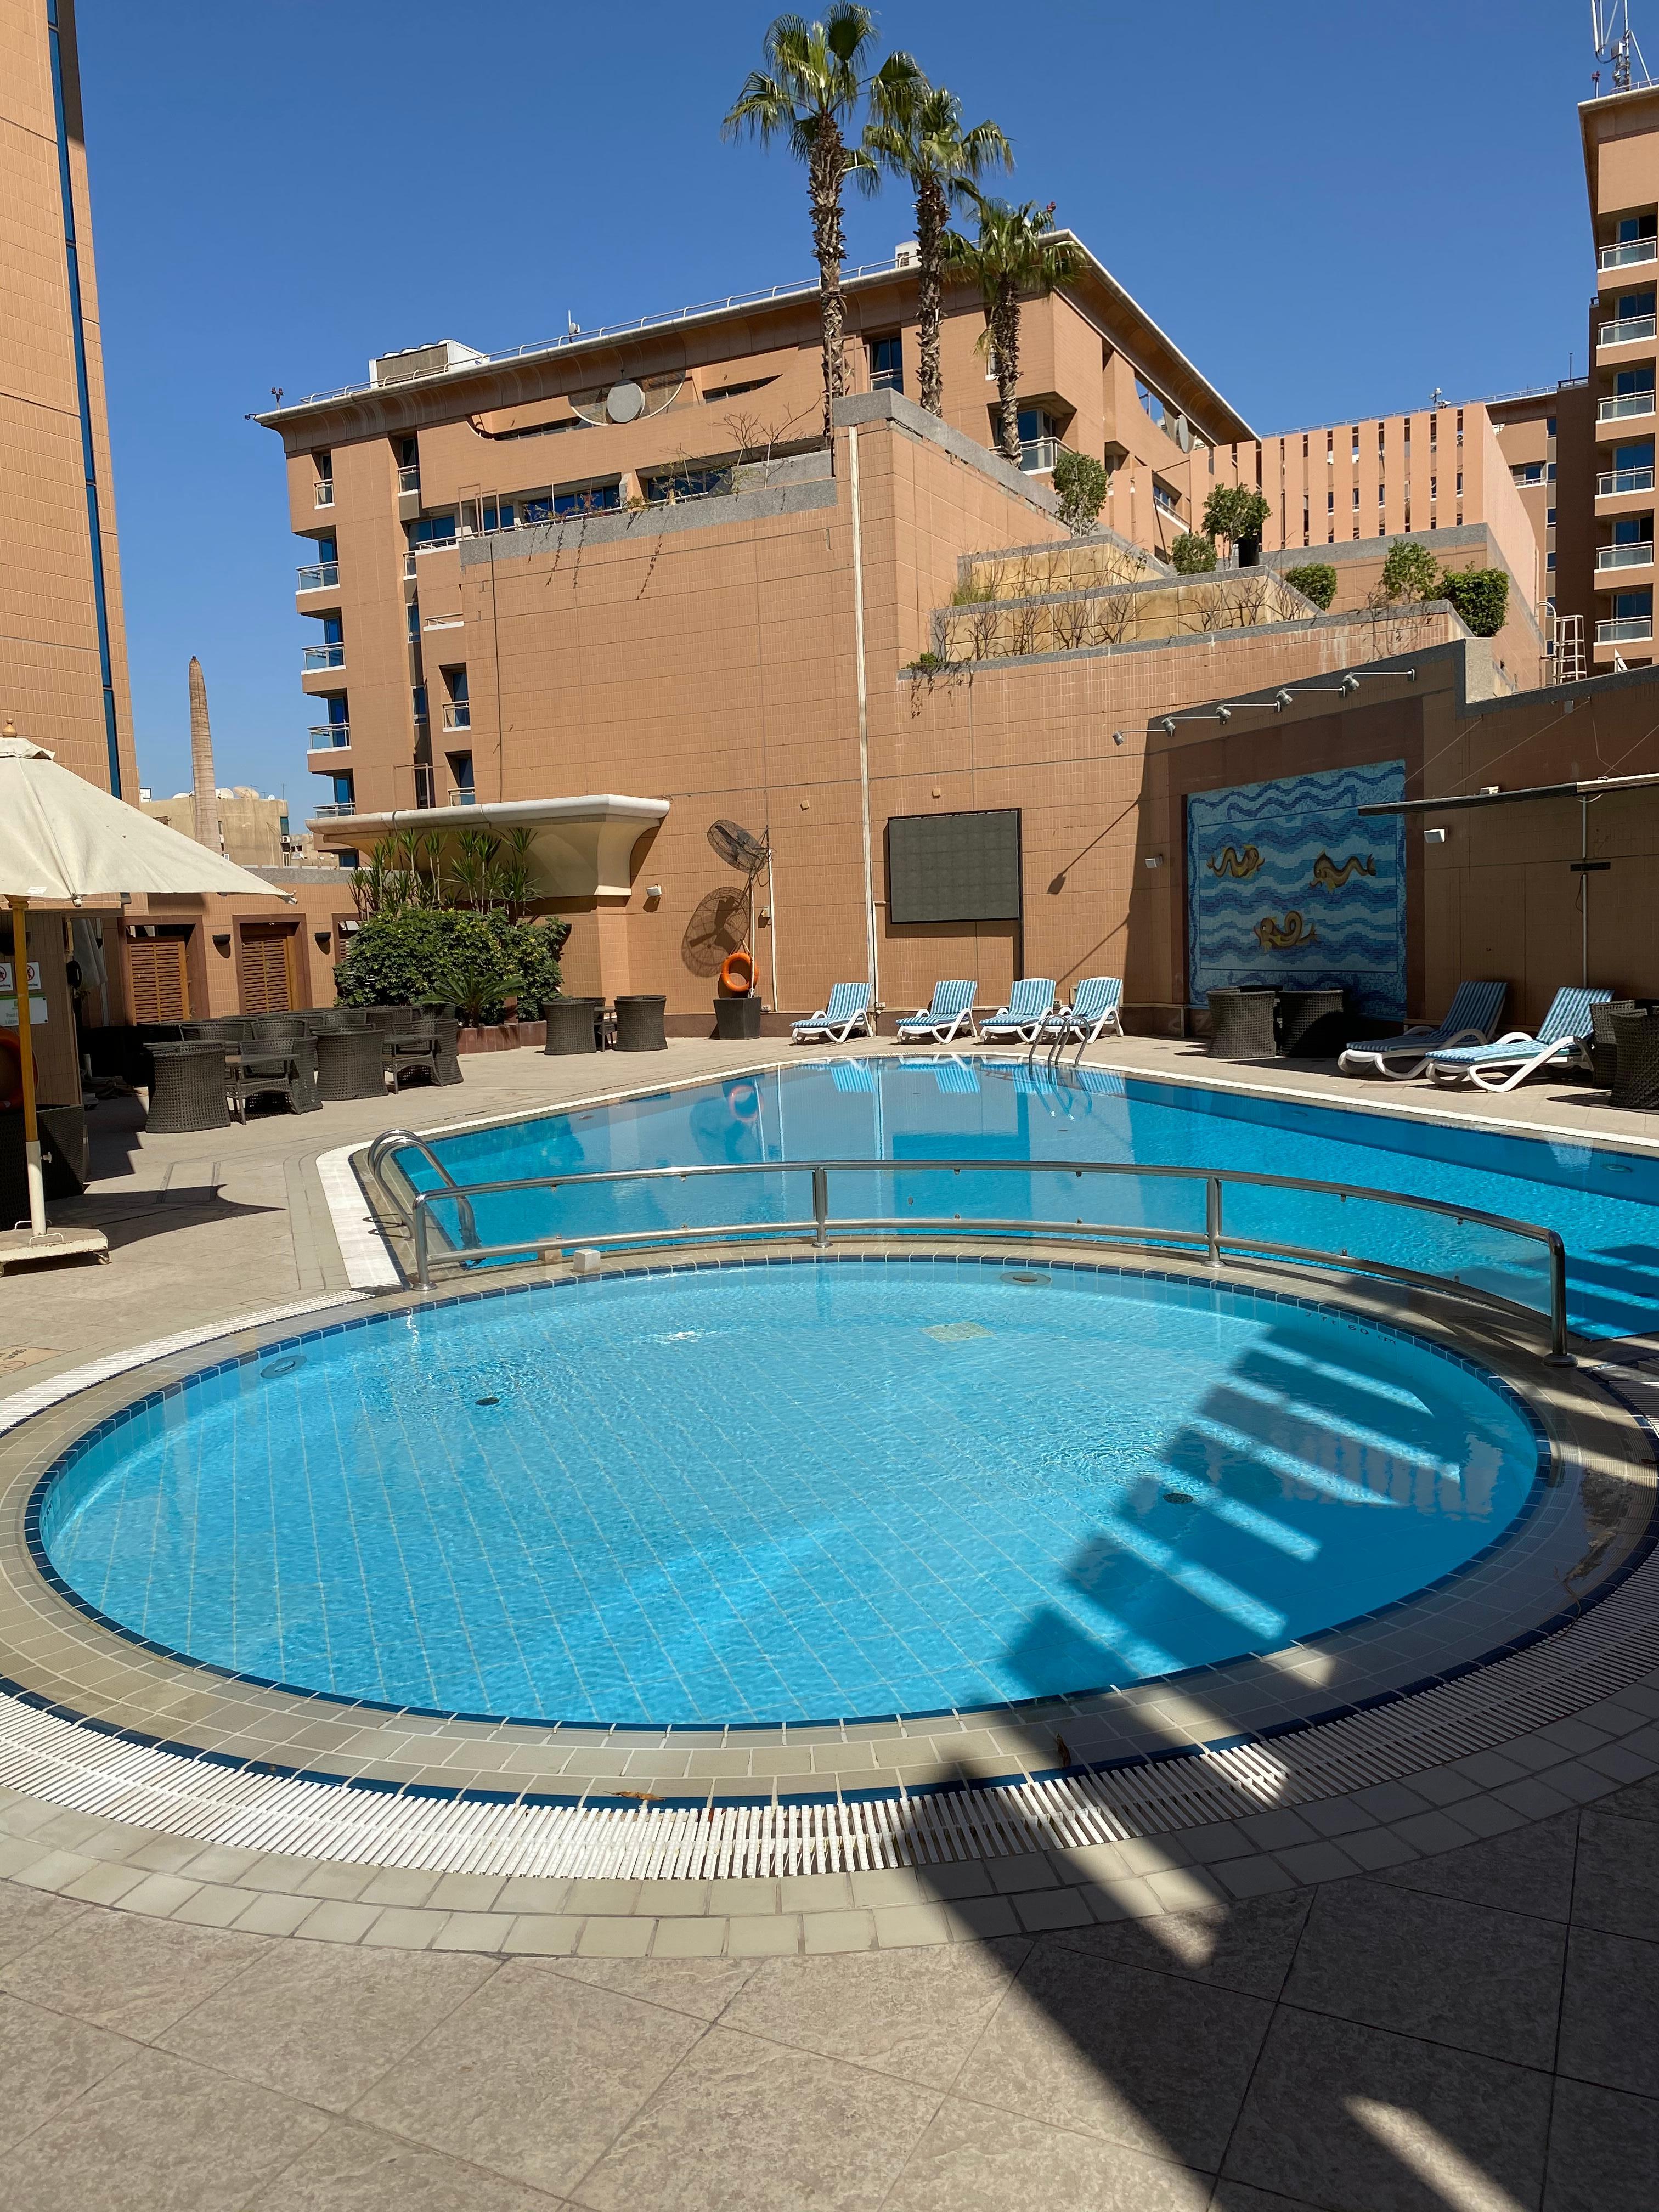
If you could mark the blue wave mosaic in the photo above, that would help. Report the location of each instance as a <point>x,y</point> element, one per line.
<point>1287,882</point>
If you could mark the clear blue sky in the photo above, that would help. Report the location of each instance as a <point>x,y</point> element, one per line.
<point>1331,210</point>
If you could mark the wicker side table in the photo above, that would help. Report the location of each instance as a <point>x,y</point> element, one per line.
<point>1241,1024</point>
<point>190,1091</point>
<point>1636,1078</point>
<point>351,1064</point>
<point>1604,1045</point>
<point>1311,1024</point>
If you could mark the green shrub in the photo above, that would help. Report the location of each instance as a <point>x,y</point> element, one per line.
<point>1314,580</point>
<point>1481,596</point>
<point>1235,513</point>
<point>439,957</point>
<point>1191,555</point>
<point>1409,572</point>
<point>1080,488</point>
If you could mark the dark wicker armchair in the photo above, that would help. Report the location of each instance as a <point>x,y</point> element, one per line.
<point>1636,1078</point>
<point>191,1087</point>
<point>351,1064</point>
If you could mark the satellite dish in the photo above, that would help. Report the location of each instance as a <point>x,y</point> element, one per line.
<point>625,403</point>
<point>739,847</point>
<point>1183,433</point>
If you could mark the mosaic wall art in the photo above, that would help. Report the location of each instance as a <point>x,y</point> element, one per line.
<point>1287,882</point>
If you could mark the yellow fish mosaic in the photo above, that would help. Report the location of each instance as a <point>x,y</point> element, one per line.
<point>1279,937</point>
<point>1228,862</point>
<point>1332,878</point>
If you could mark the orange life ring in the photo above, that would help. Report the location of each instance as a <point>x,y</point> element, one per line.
<point>11,1068</point>
<point>737,975</point>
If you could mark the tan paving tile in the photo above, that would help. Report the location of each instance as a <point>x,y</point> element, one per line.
<point>125,1973</point>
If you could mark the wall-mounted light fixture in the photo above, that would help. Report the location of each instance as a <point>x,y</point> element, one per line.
<point>1117,736</point>
<point>653,890</point>
<point>1434,836</point>
<point>1281,701</point>
<point>1154,860</point>
<point>325,937</point>
<point>221,940</point>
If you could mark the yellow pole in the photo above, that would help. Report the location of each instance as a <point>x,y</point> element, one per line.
<point>20,964</point>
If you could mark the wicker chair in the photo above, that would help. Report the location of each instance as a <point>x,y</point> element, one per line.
<point>278,1025</point>
<point>447,1063</point>
<point>1312,1024</point>
<point>224,1029</point>
<point>319,1021</point>
<point>351,1064</point>
<point>413,1050</point>
<point>191,1088</point>
<point>1604,1045</point>
<point>1636,1079</point>
<point>387,1018</point>
<point>288,1071</point>
<point>1241,1023</point>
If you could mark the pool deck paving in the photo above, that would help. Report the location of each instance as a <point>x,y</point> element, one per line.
<point>1433,2000</point>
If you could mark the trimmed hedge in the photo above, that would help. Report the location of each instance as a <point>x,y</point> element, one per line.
<point>1314,580</point>
<point>444,957</point>
<point>1481,596</point>
<point>1192,554</point>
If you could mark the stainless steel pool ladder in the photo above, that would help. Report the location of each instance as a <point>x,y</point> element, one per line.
<point>1213,1241</point>
<point>402,1140</point>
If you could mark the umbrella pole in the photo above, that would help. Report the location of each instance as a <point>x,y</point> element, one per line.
<point>20,964</point>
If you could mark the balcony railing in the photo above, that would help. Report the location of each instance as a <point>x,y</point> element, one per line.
<point>322,576</point>
<point>324,491</point>
<point>1621,403</point>
<point>463,798</point>
<point>887,379</point>
<point>1638,554</point>
<point>1611,482</point>
<point>324,656</point>
<point>335,810</point>
<point>457,714</point>
<point>1625,630</point>
<point>326,737</point>
<point>1625,329</point>
<point>1627,252</point>
<point>409,571</point>
<point>409,479</point>
<point>1037,456</point>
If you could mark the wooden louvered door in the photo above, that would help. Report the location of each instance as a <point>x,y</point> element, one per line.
<point>159,984</point>
<point>267,972</point>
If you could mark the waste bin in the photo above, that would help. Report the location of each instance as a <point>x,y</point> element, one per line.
<point>639,1023</point>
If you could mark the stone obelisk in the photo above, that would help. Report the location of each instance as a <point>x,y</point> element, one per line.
<point>202,789</point>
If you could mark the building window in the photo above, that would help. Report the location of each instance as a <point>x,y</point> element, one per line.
<point>345,790</point>
<point>687,484</point>
<point>1549,427</point>
<point>1356,494</point>
<point>887,363</point>
<point>500,515</point>
<point>422,785</point>
<point>414,620</point>
<point>1549,561</point>
<point>1164,497</point>
<point>1529,472</point>
<point>1330,503</point>
<point>417,698</point>
<point>460,776</point>
<point>579,499</point>
<point>432,530</point>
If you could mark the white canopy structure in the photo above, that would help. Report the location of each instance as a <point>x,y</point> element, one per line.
<point>63,840</point>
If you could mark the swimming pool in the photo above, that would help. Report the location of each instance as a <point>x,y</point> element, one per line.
<point>811,1490</point>
<point>1603,1202</point>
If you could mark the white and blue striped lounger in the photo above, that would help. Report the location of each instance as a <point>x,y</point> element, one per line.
<point>938,1023</point>
<point>1509,1060</point>
<point>1094,1009</point>
<point>1030,1004</point>
<point>1474,1014</point>
<point>848,1010</point>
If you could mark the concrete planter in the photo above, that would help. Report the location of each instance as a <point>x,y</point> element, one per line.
<point>495,1037</point>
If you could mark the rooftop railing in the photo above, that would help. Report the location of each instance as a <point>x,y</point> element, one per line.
<point>1611,482</point>
<point>1627,252</point>
<point>1621,403</point>
<point>1625,329</point>
<point>1638,554</point>
<point>324,656</point>
<point>1470,1277</point>
<point>1625,630</point>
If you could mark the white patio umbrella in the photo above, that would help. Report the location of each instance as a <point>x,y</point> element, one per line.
<point>63,839</point>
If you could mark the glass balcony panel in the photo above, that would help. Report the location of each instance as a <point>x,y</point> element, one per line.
<point>1627,253</point>
<point>324,491</point>
<point>457,714</point>
<point>1621,403</point>
<point>1625,630</point>
<point>1037,456</point>
<point>335,810</point>
<point>1638,554</point>
<point>1626,329</point>
<point>325,656</point>
<point>1611,482</point>
<point>325,737</point>
<point>321,576</point>
<point>410,479</point>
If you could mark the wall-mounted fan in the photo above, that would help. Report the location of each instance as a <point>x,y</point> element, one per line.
<point>741,849</point>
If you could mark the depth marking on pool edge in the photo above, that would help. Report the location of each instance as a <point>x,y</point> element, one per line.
<point>89,1769</point>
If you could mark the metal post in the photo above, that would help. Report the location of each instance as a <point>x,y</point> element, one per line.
<point>1558,1355</point>
<point>1212,1221</point>
<point>821,1205</point>
<point>19,969</point>
<point>423,1273</point>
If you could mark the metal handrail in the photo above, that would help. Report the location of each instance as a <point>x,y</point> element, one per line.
<point>1624,330</point>
<point>1637,554</point>
<point>1212,1239</point>
<point>1626,252</point>
<point>1621,404</point>
<point>1611,482</point>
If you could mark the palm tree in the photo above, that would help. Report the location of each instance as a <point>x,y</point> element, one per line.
<point>808,92</point>
<point>1014,257</point>
<point>917,134</point>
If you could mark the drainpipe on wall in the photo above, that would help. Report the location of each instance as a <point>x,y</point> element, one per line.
<point>864,714</point>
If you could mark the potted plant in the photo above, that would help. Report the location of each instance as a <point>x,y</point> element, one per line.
<point>1239,514</point>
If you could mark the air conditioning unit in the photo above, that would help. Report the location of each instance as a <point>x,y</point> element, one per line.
<point>907,254</point>
<point>413,362</point>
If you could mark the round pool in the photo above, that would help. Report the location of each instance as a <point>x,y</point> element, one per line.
<point>789,1491</point>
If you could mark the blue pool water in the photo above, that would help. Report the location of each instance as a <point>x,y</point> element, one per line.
<point>789,1491</point>
<point>1604,1203</point>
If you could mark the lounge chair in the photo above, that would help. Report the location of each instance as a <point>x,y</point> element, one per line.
<point>852,1075</point>
<point>1094,1009</point>
<point>1474,1014</point>
<point>938,1023</point>
<point>1508,1061</point>
<point>1030,1004</point>
<point>848,1010</point>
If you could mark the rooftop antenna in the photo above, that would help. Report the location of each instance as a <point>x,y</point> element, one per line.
<point>1616,45</point>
